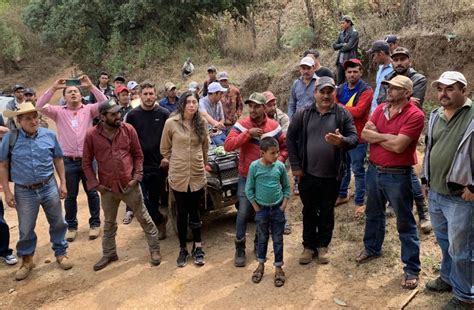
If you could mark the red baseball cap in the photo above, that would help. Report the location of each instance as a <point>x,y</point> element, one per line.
<point>121,88</point>
<point>269,96</point>
<point>352,61</point>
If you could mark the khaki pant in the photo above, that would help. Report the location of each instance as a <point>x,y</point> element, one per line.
<point>134,199</point>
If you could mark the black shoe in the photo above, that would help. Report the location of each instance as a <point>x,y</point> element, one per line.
<point>182,257</point>
<point>456,304</point>
<point>239,258</point>
<point>198,255</point>
<point>104,261</point>
<point>438,285</point>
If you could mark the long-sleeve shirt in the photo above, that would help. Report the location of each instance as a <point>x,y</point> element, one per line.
<point>72,124</point>
<point>232,105</point>
<point>267,185</point>
<point>301,95</point>
<point>383,71</point>
<point>119,160</point>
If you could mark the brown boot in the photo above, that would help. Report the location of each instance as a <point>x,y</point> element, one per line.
<point>162,228</point>
<point>64,262</point>
<point>26,266</point>
<point>155,258</point>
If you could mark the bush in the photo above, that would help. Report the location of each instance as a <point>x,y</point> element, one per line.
<point>298,37</point>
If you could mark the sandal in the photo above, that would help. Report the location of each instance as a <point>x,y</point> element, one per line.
<point>365,257</point>
<point>128,217</point>
<point>257,275</point>
<point>409,277</point>
<point>279,278</point>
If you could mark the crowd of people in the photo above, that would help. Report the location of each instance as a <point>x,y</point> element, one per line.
<point>125,145</point>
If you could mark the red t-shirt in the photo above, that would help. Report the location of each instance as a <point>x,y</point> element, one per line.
<point>409,122</point>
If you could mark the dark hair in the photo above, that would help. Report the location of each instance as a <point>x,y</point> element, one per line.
<point>104,73</point>
<point>198,122</point>
<point>311,51</point>
<point>354,65</point>
<point>146,84</point>
<point>267,143</point>
<point>65,88</point>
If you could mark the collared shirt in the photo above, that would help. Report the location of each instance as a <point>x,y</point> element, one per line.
<point>282,119</point>
<point>72,124</point>
<point>214,110</point>
<point>232,105</point>
<point>12,105</point>
<point>32,156</point>
<point>301,95</point>
<point>171,107</point>
<point>186,154</point>
<point>119,160</point>
<point>381,73</point>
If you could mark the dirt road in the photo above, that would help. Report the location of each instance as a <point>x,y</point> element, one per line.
<point>133,283</point>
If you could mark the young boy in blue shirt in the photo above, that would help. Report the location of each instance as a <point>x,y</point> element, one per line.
<point>268,189</point>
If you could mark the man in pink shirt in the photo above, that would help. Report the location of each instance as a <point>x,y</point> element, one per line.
<point>72,121</point>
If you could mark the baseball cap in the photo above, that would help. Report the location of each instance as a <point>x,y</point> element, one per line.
<point>223,75</point>
<point>325,81</point>
<point>379,46</point>
<point>193,86</point>
<point>346,18</point>
<point>132,85</point>
<point>215,87</point>
<point>169,86</point>
<point>211,68</point>
<point>400,81</point>
<point>29,91</point>
<point>449,78</point>
<point>119,78</point>
<point>257,98</point>
<point>391,38</point>
<point>120,89</point>
<point>352,61</point>
<point>17,87</point>
<point>269,96</point>
<point>110,106</point>
<point>401,50</point>
<point>307,61</point>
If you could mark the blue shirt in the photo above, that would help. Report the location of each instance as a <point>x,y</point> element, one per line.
<point>346,93</point>
<point>267,185</point>
<point>301,95</point>
<point>171,107</point>
<point>214,111</point>
<point>381,73</point>
<point>32,157</point>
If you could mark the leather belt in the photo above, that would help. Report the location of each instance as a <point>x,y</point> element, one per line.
<point>36,185</point>
<point>393,170</point>
<point>73,158</point>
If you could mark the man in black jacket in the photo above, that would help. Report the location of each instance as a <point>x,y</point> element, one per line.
<point>319,161</point>
<point>347,44</point>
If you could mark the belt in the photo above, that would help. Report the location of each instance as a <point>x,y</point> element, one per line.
<point>36,185</point>
<point>73,158</point>
<point>392,170</point>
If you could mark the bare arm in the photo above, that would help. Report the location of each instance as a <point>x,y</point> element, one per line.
<point>9,197</point>
<point>59,166</point>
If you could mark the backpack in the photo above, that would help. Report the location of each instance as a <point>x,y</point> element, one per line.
<point>11,145</point>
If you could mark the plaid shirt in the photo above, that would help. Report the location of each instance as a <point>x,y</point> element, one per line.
<point>232,105</point>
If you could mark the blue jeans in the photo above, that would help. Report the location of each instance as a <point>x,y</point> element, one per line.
<point>28,202</point>
<point>4,234</point>
<point>397,189</point>
<point>219,139</point>
<point>453,223</point>
<point>355,159</point>
<point>74,175</point>
<point>245,210</point>
<point>270,218</point>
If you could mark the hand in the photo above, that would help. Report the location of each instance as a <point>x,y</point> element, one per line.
<point>283,206</point>
<point>370,126</point>
<point>130,185</point>
<point>424,191</point>
<point>102,189</point>
<point>467,195</point>
<point>164,163</point>
<point>255,132</point>
<point>10,199</point>
<point>298,173</point>
<point>62,191</point>
<point>256,207</point>
<point>85,81</point>
<point>334,138</point>
<point>220,125</point>
<point>59,84</point>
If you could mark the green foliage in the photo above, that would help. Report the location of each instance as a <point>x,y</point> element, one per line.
<point>298,37</point>
<point>10,43</point>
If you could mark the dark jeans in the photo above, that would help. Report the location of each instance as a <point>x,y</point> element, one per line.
<point>396,188</point>
<point>4,234</point>
<point>74,175</point>
<point>187,204</point>
<point>421,207</point>
<point>318,196</point>
<point>270,219</point>
<point>341,74</point>
<point>355,160</point>
<point>151,185</point>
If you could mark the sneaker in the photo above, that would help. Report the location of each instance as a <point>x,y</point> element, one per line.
<point>306,257</point>
<point>182,257</point>
<point>128,217</point>
<point>9,259</point>
<point>425,226</point>
<point>296,190</point>
<point>94,233</point>
<point>323,255</point>
<point>389,212</point>
<point>456,304</point>
<point>341,201</point>
<point>71,235</point>
<point>64,262</point>
<point>198,255</point>
<point>438,285</point>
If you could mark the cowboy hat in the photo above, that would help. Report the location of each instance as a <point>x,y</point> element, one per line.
<point>23,108</point>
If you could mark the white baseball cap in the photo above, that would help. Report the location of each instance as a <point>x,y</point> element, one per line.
<point>132,85</point>
<point>307,61</point>
<point>193,86</point>
<point>215,87</point>
<point>449,78</point>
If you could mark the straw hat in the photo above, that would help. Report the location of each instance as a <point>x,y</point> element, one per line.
<point>23,108</point>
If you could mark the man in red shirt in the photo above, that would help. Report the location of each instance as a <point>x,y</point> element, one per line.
<point>116,148</point>
<point>393,132</point>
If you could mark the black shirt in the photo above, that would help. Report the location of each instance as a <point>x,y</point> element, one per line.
<point>149,126</point>
<point>323,71</point>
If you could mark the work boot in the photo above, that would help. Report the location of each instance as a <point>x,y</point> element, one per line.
<point>162,228</point>
<point>323,256</point>
<point>341,201</point>
<point>438,285</point>
<point>456,304</point>
<point>25,269</point>
<point>423,215</point>
<point>104,261</point>
<point>94,232</point>
<point>306,257</point>
<point>71,235</point>
<point>155,258</point>
<point>239,258</point>
<point>64,262</point>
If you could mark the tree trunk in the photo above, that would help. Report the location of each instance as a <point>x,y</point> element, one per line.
<point>312,23</point>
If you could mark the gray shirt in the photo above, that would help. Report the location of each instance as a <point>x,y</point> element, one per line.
<point>214,110</point>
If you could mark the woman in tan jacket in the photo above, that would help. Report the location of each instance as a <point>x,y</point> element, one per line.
<point>184,144</point>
